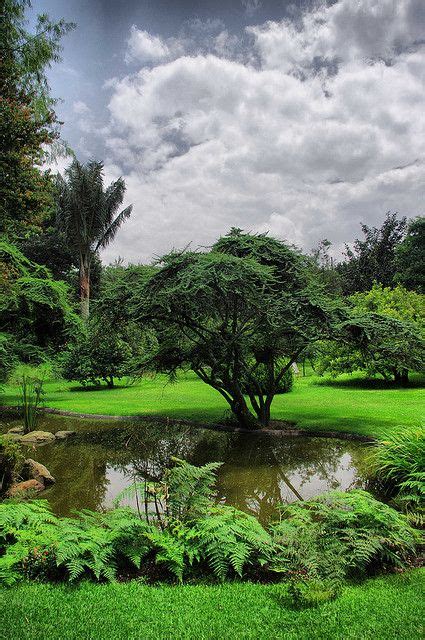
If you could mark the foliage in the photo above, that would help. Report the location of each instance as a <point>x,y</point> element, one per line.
<point>101,351</point>
<point>399,458</point>
<point>410,258</point>
<point>245,307</point>
<point>35,309</point>
<point>28,121</point>
<point>372,258</point>
<point>31,397</point>
<point>87,214</point>
<point>326,538</point>
<point>335,536</point>
<point>385,335</point>
<point>11,459</point>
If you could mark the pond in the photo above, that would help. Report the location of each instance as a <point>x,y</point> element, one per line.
<point>259,471</point>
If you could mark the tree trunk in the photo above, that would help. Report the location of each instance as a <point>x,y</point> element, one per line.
<point>84,288</point>
<point>401,376</point>
<point>243,415</point>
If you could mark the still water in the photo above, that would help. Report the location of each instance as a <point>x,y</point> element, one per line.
<point>259,471</point>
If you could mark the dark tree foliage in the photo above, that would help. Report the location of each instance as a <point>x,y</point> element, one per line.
<point>34,309</point>
<point>373,258</point>
<point>87,215</point>
<point>119,291</point>
<point>243,308</point>
<point>410,257</point>
<point>27,119</point>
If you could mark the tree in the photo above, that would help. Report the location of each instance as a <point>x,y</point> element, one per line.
<point>87,214</point>
<point>229,314</point>
<point>28,124</point>
<point>34,309</point>
<point>373,258</point>
<point>385,334</point>
<point>410,257</point>
<point>102,352</point>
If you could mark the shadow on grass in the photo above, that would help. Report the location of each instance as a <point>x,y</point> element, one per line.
<point>99,387</point>
<point>371,384</point>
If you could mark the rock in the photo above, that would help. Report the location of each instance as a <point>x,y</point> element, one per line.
<point>62,435</point>
<point>17,430</point>
<point>15,437</point>
<point>28,485</point>
<point>37,437</point>
<point>33,470</point>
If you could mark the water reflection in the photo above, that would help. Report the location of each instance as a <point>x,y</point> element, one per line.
<point>258,471</point>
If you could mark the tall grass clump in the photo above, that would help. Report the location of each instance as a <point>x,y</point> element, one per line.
<point>399,460</point>
<point>31,398</point>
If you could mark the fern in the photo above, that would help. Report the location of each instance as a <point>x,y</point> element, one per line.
<point>228,540</point>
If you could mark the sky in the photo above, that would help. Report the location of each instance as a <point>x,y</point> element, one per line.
<point>301,119</point>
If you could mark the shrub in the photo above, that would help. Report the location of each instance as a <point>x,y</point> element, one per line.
<point>399,458</point>
<point>338,534</point>
<point>100,353</point>
<point>11,459</point>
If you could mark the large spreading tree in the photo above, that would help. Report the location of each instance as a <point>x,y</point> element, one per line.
<point>87,215</point>
<point>239,316</point>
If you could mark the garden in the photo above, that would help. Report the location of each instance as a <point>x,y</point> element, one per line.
<point>225,442</point>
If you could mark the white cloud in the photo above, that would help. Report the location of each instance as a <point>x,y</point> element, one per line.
<point>80,107</point>
<point>207,142</point>
<point>144,47</point>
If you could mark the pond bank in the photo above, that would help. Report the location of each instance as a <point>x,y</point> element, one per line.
<point>287,428</point>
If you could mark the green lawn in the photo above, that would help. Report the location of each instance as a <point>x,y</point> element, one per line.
<point>380,609</point>
<point>345,404</point>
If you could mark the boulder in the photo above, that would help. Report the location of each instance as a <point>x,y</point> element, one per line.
<point>62,435</point>
<point>33,470</point>
<point>28,485</point>
<point>17,430</point>
<point>37,437</point>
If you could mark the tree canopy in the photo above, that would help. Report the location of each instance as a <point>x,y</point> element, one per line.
<point>372,258</point>
<point>384,334</point>
<point>229,314</point>
<point>87,214</point>
<point>410,256</point>
<point>28,124</point>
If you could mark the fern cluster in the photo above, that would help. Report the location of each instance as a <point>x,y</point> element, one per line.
<point>319,542</point>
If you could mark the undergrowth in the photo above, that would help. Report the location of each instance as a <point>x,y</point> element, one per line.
<point>317,544</point>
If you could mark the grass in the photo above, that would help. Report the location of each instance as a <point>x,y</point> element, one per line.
<point>345,404</point>
<point>380,609</point>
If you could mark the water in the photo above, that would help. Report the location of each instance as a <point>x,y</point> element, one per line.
<point>259,471</point>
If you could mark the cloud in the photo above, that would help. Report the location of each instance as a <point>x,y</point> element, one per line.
<point>144,47</point>
<point>80,107</point>
<point>346,30</point>
<point>251,6</point>
<point>318,126</point>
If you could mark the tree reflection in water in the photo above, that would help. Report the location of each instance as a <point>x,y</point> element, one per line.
<point>259,471</point>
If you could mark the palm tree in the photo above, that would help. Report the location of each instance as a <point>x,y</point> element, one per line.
<point>88,215</point>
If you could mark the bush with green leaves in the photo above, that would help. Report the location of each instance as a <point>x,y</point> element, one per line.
<point>399,459</point>
<point>338,535</point>
<point>101,352</point>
